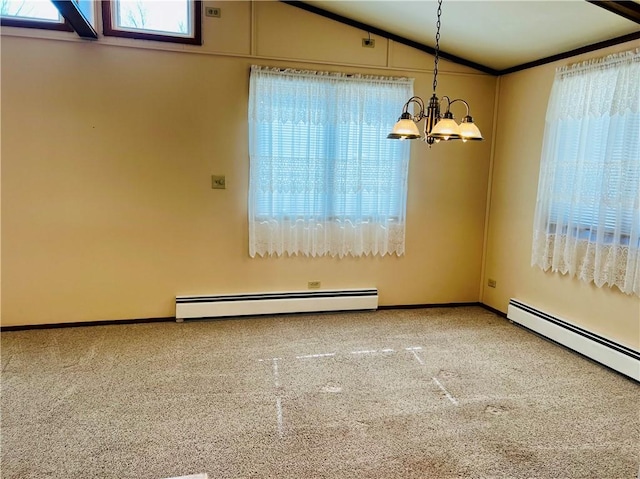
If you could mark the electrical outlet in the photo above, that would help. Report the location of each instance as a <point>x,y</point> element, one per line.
<point>314,284</point>
<point>491,283</point>
<point>368,43</point>
<point>218,182</point>
<point>213,12</point>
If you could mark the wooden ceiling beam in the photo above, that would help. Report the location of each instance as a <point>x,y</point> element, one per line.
<point>625,9</point>
<point>629,10</point>
<point>390,36</point>
<point>571,53</point>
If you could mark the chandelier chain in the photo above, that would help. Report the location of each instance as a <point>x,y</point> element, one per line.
<point>437,127</point>
<point>437,57</point>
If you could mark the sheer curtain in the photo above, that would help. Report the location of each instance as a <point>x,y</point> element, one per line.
<point>587,219</point>
<point>324,179</point>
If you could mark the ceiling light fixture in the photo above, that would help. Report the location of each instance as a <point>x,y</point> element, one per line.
<point>437,127</point>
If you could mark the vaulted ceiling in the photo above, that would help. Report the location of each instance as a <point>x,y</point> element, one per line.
<point>495,36</point>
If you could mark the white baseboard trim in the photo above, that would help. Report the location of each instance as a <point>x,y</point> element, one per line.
<point>224,305</point>
<point>602,350</point>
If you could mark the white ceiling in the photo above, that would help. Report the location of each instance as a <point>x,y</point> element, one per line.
<point>495,33</point>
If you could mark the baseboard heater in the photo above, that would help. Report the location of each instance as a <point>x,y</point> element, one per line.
<point>602,350</point>
<point>275,303</point>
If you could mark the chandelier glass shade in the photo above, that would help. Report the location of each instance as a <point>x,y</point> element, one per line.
<point>405,129</point>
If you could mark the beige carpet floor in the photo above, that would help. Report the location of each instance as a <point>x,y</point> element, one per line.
<point>422,393</point>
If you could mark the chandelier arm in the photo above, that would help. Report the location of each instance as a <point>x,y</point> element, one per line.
<point>421,111</point>
<point>449,102</point>
<point>418,101</point>
<point>463,101</point>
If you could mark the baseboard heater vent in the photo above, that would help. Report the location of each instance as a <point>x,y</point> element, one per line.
<point>275,303</point>
<point>600,349</point>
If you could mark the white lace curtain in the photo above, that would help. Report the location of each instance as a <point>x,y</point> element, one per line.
<point>324,179</point>
<point>587,219</point>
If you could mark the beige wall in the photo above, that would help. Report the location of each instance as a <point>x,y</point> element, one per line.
<point>108,148</point>
<point>520,126</point>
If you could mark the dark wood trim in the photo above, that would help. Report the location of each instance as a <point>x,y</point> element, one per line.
<point>389,35</point>
<point>493,310</point>
<point>109,30</point>
<point>625,9</point>
<point>428,305</point>
<point>29,327</point>
<point>173,318</point>
<point>41,25</point>
<point>445,305</point>
<point>71,12</point>
<point>578,51</point>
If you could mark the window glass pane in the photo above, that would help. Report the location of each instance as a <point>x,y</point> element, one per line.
<point>30,10</point>
<point>588,187</point>
<point>155,16</point>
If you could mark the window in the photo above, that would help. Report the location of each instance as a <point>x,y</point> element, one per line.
<point>324,179</point>
<point>32,14</point>
<point>587,220</point>
<point>165,21</point>
<point>86,8</point>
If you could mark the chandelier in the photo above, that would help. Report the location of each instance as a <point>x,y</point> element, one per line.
<point>437,126</point>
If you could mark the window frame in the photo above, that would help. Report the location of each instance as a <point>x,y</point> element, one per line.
<point>109,28</point>
<point>25,22</point>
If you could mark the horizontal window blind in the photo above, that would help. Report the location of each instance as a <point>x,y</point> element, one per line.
<point>592,183</point>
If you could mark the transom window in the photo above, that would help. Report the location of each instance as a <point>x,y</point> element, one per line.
<point>32,14</point>
<point>177,21</point>
<point>166,21</point>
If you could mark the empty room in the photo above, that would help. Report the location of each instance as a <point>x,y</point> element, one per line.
<point>320,239</point>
